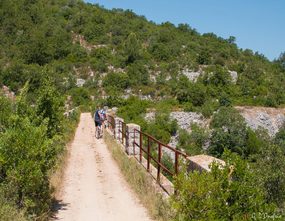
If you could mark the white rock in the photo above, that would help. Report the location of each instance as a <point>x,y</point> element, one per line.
<point>191,75</point>
<point>234,76</point>
<point>80,82</point>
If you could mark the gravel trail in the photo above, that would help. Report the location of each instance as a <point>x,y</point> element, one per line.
<point>93,186</point>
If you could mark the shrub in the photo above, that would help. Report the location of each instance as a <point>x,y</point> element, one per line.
<point>5,112</point>
<point>222,194</point>
<point>229,131</point>
<point>50,107</point>
<point>26,154</point>
<point>193,142</point>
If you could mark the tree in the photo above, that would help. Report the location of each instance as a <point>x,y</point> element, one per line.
<point>281,60</point>
<point>132,48</point>
<point>232,39</point>
<point>279,138</point>
<point>50,107</point>
<point>229,132</point>
<point>193,142</point>
<point>204,57</point>
<point>26,155</point>
<point>187,91</point>
<point>119,81</point>
<point>5,113</point>
<point>138,74</point>
<point>269,174</point>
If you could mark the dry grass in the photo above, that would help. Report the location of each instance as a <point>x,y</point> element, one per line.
<point>56,177</point>
<point>140,181</point>
<point>57,173</point>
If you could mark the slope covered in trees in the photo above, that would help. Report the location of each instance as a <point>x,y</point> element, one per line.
<point>149,58</point>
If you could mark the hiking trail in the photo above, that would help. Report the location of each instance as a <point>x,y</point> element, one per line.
<point>93,187</point>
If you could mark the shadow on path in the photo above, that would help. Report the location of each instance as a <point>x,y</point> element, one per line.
<point>57,205</point>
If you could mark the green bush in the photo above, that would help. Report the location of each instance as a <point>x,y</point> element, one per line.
<point>80,96</point>
<point>229,131</point>
<point>269,174</point>
<point>162,128</point>
<point>5,112</point>
<point>119,81</point>
<point>222,194</point>
<point>26,155</point>
<point>193,142</point>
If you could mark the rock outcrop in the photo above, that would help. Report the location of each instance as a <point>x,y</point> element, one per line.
<point>234,76</point>
<point>191,75</point>
<point>7,92</point>
<point>186,119</point>
<point>267,118</point>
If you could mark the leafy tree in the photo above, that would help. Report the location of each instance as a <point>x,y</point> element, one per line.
<point>281,60</point>
<point>193,142</point>
<point>269,175</point>
<point>5,113</point>
<point>187,91</point>
<point>279,138</point>
<point>204,57</point>
<point>254,143</point>
<point>50,107</point>
<point>138,74</point>
<point>80,96</point>
<point>162,128</point>
<point>119,81</point>
<point>26,176</point>
<point>229,132</point>
<point>132,48</point>
<point>232,39</point>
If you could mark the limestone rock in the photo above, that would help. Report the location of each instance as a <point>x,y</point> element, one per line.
<point>234,76</point>
<point>80,82</point>
<point>191,75</point>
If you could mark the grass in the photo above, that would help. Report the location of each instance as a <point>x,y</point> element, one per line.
<point>140,181</point>
<point>57,172</point>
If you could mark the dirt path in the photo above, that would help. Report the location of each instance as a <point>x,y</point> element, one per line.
<point>93,187</point>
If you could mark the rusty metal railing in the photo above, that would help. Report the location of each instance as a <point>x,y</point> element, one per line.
<point>111,124</point>
<point>123,134</point>
<point>149,151</point>
<point>153,150</point>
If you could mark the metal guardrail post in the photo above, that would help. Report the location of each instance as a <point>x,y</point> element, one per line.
<point>141,147</point>
<point>176,163</point>
<point>159,161</point>
<point>148,154</point>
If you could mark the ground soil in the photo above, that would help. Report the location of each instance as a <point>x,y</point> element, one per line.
<point>93,187</point>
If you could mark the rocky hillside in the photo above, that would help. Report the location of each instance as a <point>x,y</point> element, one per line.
<point>93,52</point>
<point>270,119</point>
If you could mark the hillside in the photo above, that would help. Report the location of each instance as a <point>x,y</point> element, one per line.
<point>199,92</point>
<point>121,53</point>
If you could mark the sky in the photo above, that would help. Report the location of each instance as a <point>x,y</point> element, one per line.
<point>257,24</point>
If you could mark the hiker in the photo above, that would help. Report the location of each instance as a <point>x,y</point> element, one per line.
<point>99,117</point>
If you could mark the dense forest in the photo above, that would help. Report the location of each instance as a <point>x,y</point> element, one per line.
<point>124,60</point>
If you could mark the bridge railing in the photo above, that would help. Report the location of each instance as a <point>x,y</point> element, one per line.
<point>147,150</point>
<point>122,129</point>
<point>111,124</point>
<point>165,158</point>
<point>160,160</point>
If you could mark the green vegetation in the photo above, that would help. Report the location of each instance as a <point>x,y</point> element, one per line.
<point>193,143</point>
<point>251,183</point>
<point>36,34</point>
<point>230,193</point>
<point>31,138</point>
<point>46,46</point>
